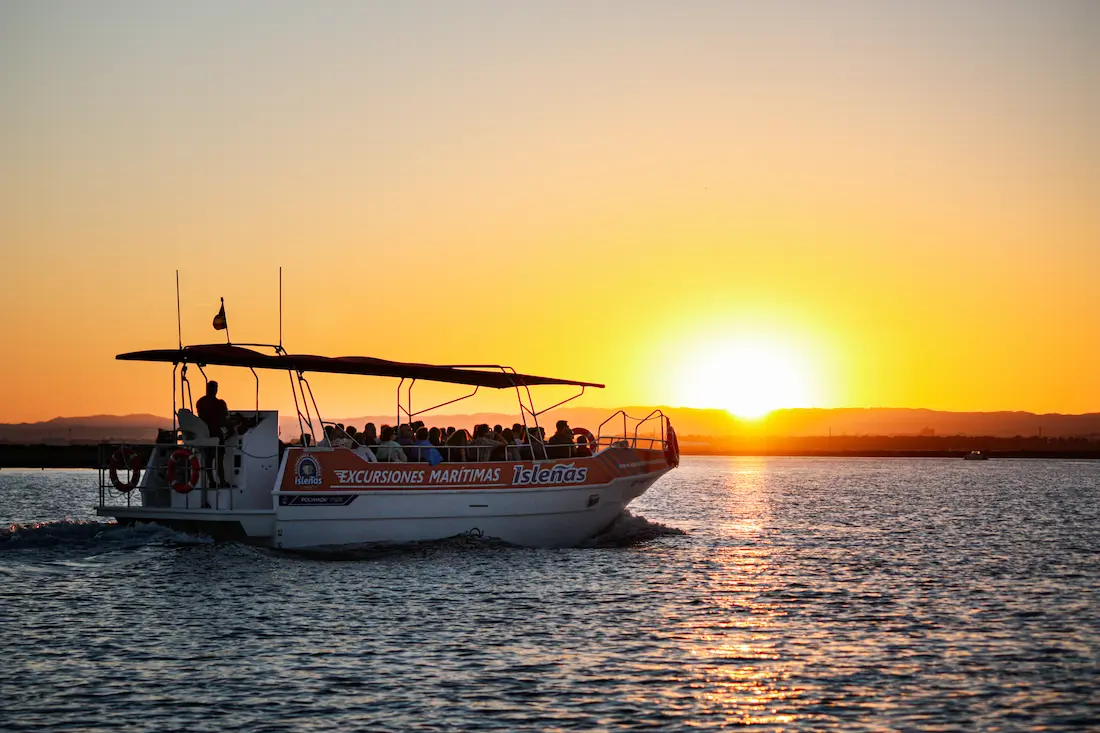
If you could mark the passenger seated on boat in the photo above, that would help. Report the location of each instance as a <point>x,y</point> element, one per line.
<point>337,438</point>
<point>456,447</point>
<point>536,438</point>
<point>389,449</point>
<point>561,442</point>
<point>435,437</point>
<point>484,444</point>
<point>369,436</point>
<point>346,437</point>
<point>500,450</point>
<point>522,444</point>
<point>426,452</point>
<point>582,450</point>
<point>511,450</point>
<point>407,442</point>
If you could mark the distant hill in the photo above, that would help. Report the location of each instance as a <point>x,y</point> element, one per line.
<point>896,421</point>
<point>714,425</point>
<point>92,428</point>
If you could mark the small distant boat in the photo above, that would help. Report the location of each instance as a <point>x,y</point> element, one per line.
<point>976,455</point>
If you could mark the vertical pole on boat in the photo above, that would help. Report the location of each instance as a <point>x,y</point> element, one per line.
<point>179,324</point>
<point>280,308</point>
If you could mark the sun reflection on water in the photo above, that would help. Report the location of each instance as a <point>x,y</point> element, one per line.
<point>742,671</point>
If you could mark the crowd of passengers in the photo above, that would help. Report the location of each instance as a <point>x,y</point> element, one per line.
<point>416,443</point>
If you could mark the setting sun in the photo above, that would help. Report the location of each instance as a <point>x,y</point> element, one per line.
<point>749,379</point>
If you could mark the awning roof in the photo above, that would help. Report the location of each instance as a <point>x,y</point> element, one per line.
<point>238,356</point>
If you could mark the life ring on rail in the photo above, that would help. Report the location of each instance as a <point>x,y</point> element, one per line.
<point>592,446</point>
<point>184,458</point>
<point>672,446</point>
<point>125,457</point>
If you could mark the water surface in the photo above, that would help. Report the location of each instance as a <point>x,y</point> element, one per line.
<point>804,594</point>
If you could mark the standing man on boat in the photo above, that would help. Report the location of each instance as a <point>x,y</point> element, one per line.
<point>214,412</point>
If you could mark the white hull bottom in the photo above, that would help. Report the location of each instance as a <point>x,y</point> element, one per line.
<point>536,517</point>
<point>253,526</point>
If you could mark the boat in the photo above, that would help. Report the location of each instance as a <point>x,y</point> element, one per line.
<point>976,455</point>
<point>326,491</point>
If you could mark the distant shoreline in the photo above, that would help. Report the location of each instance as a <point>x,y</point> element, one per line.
<point>87,455</point>
<point>1066,454</point>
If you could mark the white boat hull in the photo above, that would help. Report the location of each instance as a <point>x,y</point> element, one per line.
<point>542,517</point>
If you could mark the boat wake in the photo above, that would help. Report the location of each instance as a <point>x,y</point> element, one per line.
<point>85,535</point>
<point>629,530</point>
<point>376,550</point>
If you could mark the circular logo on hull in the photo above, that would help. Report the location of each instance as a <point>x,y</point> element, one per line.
<point>307,472</point>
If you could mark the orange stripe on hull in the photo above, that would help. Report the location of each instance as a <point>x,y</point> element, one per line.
<point>342,469</point>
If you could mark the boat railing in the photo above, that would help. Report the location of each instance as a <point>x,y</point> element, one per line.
<point>469,453</point>
<point>150,481</point>
<point>631,438</point>
<point>647,432</point>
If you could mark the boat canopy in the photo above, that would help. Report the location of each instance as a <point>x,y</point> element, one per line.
<point>238,356</point>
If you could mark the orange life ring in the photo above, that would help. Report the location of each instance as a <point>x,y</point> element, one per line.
<point>672,446</point>
<point>592,446</point>
<point>128,458</point>
<point>190,459</point>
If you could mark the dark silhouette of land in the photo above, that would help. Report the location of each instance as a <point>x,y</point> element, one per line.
<point>71,442</point>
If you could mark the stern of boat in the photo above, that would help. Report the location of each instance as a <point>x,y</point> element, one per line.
<point>199,487</point>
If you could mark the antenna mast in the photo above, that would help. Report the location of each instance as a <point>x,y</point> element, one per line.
<point>179,324</point>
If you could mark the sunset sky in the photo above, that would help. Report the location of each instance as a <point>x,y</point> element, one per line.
<point>711,204</point>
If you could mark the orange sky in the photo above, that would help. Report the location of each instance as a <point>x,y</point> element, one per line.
<point>898,198</point>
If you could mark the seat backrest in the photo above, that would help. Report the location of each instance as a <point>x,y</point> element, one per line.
<point>192,427</point>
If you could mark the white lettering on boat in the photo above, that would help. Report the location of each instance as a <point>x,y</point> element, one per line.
<point>464,476</point>
<point>560,473</point>
<point>374,476</point>
<point>450,476</point>
<point>636,464</point>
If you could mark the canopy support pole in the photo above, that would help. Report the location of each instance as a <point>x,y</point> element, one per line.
<point>257,378</point>
<point>570,399</point>
<point>297,409</point>
<point>441,404</point>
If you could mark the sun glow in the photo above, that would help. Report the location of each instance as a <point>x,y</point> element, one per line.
<point>749,379</point>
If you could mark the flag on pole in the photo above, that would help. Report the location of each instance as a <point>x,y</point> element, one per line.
<point>220,323</point>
